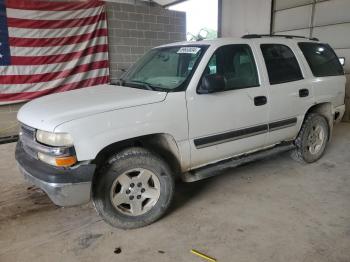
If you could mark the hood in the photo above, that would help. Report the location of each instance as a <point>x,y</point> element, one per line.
<point>48,112</point>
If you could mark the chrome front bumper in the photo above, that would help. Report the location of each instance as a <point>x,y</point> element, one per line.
<point>61,194</point>
<point>65,187</point>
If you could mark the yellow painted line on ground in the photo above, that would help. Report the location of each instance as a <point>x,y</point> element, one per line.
<point>203,255</point>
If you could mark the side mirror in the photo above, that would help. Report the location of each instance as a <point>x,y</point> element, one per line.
<point>211,84</point>
<point>342,61</point>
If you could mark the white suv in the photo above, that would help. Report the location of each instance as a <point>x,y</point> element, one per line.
<point>187,109</point>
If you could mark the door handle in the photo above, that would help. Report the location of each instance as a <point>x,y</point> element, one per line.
<point>260,100</point>
<point>303,92</point>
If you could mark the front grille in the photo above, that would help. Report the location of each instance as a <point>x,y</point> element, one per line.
<point>27,137</point>
<point>27,132</point>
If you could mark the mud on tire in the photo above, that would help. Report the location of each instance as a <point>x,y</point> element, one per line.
<point>312,139</point>
<point>134,188</point>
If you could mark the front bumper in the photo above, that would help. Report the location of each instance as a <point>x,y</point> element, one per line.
<point>65,187</point>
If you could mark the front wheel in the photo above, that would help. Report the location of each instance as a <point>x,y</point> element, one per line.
<point>312,139</point>
<point>134,189</point>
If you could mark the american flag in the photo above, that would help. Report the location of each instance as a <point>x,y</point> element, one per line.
<point>48,47</point>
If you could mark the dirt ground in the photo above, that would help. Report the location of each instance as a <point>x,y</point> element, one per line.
<point>271,210</point>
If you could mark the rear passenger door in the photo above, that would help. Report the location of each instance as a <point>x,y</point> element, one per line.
<point>290,91</point>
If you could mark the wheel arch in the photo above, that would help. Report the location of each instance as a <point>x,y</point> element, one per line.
<point>326,110</point>
<point>163,144</point>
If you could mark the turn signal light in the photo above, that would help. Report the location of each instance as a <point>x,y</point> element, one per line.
<point>58,161</point>
<point>66,161</point>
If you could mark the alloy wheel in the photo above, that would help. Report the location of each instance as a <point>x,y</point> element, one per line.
<point>135,192</point>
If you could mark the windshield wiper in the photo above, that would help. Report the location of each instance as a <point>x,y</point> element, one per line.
<point>139,83</point>
<point>142,84</point>
<point>119,81</point>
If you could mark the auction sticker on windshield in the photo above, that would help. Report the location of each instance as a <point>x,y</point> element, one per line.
<point>188,50</point>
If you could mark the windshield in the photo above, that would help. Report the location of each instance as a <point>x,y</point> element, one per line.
<point>164,69</point>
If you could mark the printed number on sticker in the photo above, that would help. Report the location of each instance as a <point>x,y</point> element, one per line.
<point>188,50</point>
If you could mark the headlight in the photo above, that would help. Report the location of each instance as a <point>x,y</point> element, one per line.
<point>60,152</point>
<point>54,139</point>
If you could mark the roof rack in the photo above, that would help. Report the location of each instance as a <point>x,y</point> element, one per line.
<point>250,36</point>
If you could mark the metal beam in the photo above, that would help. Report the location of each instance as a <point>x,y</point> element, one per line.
<point>219,18</point>
<point>172,2</point>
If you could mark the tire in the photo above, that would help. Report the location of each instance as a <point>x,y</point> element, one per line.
<point>134,189</point>
<point>312,139</point>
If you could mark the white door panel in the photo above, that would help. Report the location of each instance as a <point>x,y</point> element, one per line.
<point>286,103</point>
<point>230,109</point>
<point>226,114</point>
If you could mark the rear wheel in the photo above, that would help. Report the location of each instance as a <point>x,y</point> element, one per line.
<point>134,189</point>
<point>312,139</point>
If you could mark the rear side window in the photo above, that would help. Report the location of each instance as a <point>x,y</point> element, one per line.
<point>322,59</point>
<point>282,66</point>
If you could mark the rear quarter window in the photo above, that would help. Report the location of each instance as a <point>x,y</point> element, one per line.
<point>322,59</point>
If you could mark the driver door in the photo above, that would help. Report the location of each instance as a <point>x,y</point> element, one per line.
<point>231,121</point>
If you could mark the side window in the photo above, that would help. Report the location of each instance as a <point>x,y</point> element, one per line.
<point>212,65</point>
<point>282,66</point>
<point>321,59</point>
<point>236,64</point>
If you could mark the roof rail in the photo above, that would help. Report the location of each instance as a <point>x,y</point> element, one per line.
<point>250,36</point>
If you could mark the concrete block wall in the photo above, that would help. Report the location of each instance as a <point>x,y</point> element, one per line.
<point>134,28</point>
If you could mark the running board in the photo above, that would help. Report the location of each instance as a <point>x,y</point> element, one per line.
<point>217,168</point>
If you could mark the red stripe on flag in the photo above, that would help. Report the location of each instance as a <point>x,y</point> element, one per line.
<point>46,77</point>
<point>59,41</point>
<point>52,6</point>
<point>54,24</point>
<point>53,59</point>
<point>66,87</point>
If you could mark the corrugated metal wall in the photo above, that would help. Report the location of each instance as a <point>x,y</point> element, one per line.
<point>240,17</point>
<point>328,20</point>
